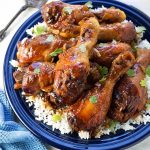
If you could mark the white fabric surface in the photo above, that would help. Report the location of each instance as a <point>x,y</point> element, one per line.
<point>9,7</point>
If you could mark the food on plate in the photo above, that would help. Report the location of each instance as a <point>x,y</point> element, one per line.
<point>85,70</point>
<point>63,18</point>
<point>73,66</point>
<point>87,114</point>
<point>124,32</point>
<point>104,54</point>
<point>129,97</point>
<point>37,76</point>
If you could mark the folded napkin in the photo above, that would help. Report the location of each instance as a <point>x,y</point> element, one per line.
<point>14,136</point>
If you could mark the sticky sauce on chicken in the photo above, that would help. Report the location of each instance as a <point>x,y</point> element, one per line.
<point>38,48</point>
<point>64,64</point>
<point>73,67</point>
<point>129,97</point>
<point>38,76</point>
<point>104,54</point>
<point>63,18</point>
<point>87,115</point>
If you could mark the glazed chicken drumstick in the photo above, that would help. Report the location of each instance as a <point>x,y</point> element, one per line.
<point>64,19</point>
<point>104,54</point>
<point>36,77</point>
<point>90,111</point>
<point>123,32</point>
<point>73,67</point>
<point>129,97</point>
<point>38,48</point>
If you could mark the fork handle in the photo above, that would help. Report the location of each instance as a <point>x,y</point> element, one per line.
<point>3,31</point>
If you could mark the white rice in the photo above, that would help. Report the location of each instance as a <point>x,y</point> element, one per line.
<point>84,134</point>
<point>14,63</point>
<point>45,113</point>
<point>144,44</point>
<point>98,10</point>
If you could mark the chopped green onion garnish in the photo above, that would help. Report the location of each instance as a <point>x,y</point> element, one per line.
<point>56,52</point>
<point>131,73</point>
<point>56,117</point>
<point>37,70</point>
<point>93,99</point>
<point>89,4</point>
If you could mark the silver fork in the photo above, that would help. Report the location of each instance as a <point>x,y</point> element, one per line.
<point>28,3</point>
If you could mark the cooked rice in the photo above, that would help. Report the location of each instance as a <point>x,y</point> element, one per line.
<point>98,10</point>
<point>14,63</point>
<point>144,44</point>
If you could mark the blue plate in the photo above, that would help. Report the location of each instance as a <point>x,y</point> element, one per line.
<point>120,140</point>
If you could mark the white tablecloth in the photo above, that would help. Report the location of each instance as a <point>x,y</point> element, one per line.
<point>9,7</point>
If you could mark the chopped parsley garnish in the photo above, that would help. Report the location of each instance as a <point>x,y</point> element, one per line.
<point>56,117</point>
<point>38,30</point>
<point>93,99</point>
<point>148,105</point>
<point>37,70</point>
<point>102,80</point>
<point>82,48</point>
<point>50,38</point>
<point>112,125</point>
<point>89,4</point>
<point>143,82</point>
<point>140,31</point>
<point>67,10</point>
<point>148,70</point>
<point>56,52</point>
<point>131,73</point>
<point>103,71</point>
<point>134,47</point>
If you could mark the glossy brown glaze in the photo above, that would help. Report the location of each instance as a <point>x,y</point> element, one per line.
<point>104,54</point>
<point>37,76</point>
<point>94,74</point>
<point>37,49</point>
<point>64,18</point>
<point>85,115</point>
<point>110,15</point>
<point>129,98</point>
<point>63,22</point>
<point>123,32</point>
<point>73,67</point>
